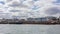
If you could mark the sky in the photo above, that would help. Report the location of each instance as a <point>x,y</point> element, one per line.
<point>29,8</point>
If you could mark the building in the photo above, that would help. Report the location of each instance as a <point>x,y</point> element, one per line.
<point>37,19</point>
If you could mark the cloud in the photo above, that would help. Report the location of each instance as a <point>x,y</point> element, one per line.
<point>44,7</point>
<point>52,11</point>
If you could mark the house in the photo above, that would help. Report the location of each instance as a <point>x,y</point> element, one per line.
<point>37,19</point>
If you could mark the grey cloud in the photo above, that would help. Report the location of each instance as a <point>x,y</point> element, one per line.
<point>8,0</point>
<point>15,10</point>
<point>17,4</point>
<point>4,15</point>
<point>52,11</point>
<point>14,4</point>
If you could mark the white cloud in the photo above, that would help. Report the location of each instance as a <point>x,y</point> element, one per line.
<point>43,4</point>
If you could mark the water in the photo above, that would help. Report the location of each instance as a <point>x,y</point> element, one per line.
<point>29,29</point>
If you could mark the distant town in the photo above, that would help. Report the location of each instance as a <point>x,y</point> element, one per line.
<point>41,20</point>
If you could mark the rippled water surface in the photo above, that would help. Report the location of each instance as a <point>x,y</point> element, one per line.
<point>29,29</point>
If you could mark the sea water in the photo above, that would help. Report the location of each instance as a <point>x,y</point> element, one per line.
<point>29,29</point>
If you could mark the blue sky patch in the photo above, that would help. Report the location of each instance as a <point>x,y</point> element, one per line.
<point>1,2</point>
<point>57,2</point>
